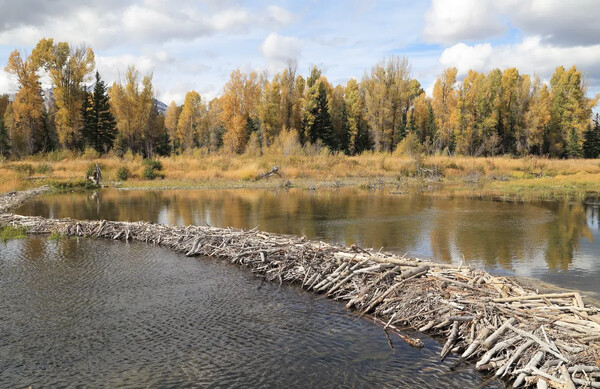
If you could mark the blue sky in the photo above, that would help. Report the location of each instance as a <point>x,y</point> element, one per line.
<point>196,44</point>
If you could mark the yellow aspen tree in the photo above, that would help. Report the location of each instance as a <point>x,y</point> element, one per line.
<point>238,104</point>
<point>189,120</point>
<point>444,106</point>
<point>68,69</point>
<point>538,117</point>
<point>28,107</point>
<point>171,120</point>
<point>271,109</point>
<point>132,104</point>
<point>419,117</point>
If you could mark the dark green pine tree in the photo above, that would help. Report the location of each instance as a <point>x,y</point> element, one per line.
<point>4,140</point>
<point>573,147</point>
<point>99,125</point>
<point>317,121</point>
<point>363,140</point>
<point>431,128</point>
<point>591,143</point>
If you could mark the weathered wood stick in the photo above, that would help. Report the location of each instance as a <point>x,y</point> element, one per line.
<point>586,383</point>
<point>499,346</point>
<point>489,342</point>
<point>504,369</point>
<point>566,377</point>
<point>533,363</point>
<point>451,340</point>
<point>473,346</point>
<point>534,297</point>
<point>545,346</point>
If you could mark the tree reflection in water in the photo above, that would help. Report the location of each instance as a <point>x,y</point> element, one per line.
<point>450,228</point>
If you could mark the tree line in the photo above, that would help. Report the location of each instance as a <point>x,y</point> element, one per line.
<point>498,113</point>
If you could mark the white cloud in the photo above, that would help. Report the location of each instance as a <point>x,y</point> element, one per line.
<point>280,15</point>
<point>6,83</point>
<point>532,55</point>
<point>448,22</point>
<point>278,50</point>
<point>150,21</point>
<point>231,20</point>
<point>574,22</point>
<point>113,68</point>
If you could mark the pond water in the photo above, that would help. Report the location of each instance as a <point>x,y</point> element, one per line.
<point>98,313</point>
<point>557,242</point>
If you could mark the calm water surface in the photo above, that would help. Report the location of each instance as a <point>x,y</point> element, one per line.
<point>97,313</point>
<point>557,242</point>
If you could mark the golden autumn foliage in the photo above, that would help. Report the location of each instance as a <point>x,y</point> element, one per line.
<point>24,119</point>
<point>132,105</point>
<point>188,125</point>
<point>68,69</point>
<point>238,103</point>
<point>475,114</point>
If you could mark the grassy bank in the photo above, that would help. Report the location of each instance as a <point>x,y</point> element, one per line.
<point>501,175</point>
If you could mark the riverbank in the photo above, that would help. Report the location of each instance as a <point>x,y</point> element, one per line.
<point>522,178</point>
<point>464,306</point>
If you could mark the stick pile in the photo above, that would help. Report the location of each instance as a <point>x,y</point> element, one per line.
<point>12,199</point>
<point>548,340</point>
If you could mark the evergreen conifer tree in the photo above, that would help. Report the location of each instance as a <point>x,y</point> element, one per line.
<point>591,143</point>
<point>317,121</point>
<point>4,140</point>
<point>99,125</point>
<point>573,147</point>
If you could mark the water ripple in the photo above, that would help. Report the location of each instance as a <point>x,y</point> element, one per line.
<point>107,314</point>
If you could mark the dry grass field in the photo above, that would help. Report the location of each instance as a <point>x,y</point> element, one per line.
<point>502,175</point>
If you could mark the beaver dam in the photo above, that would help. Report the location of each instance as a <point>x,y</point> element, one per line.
<point>527,338</point>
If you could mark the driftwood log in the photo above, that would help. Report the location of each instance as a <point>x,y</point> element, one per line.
<point>545,340</point>
<point>273,171</point>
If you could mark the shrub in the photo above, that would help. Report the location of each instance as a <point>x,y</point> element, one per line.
<point>152,168</point>
<point>410,146</point>
<point>153,164</point>
<point>44,168</point>
<point>56,155</point>
<point>286,143</point>
<point>73,185</point>
<point>23,168</point>
<point>123,174</point>
<point>90,154</point>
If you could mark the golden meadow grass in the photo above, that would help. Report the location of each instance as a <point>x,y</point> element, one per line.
<point>499,174</point>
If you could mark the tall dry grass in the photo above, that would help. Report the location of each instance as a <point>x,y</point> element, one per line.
<point>316,164</point>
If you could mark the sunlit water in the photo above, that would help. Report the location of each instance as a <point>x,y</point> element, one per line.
<point>98,313</point>
<point>552,241</point>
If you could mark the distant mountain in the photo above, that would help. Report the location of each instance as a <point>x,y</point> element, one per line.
<point>160,106</point>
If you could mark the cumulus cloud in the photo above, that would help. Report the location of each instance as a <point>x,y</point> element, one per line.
<point>447,22</point>
<point>6,84</point>
<point>280,15</point>
<point>532,55</point>
<point>104,24</point>
<point>113,68</point>
<point>278,50</point>
<point>558,22</point>
<point>16,14</point>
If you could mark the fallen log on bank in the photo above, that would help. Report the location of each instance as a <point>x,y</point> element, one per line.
<point>510,330</point>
